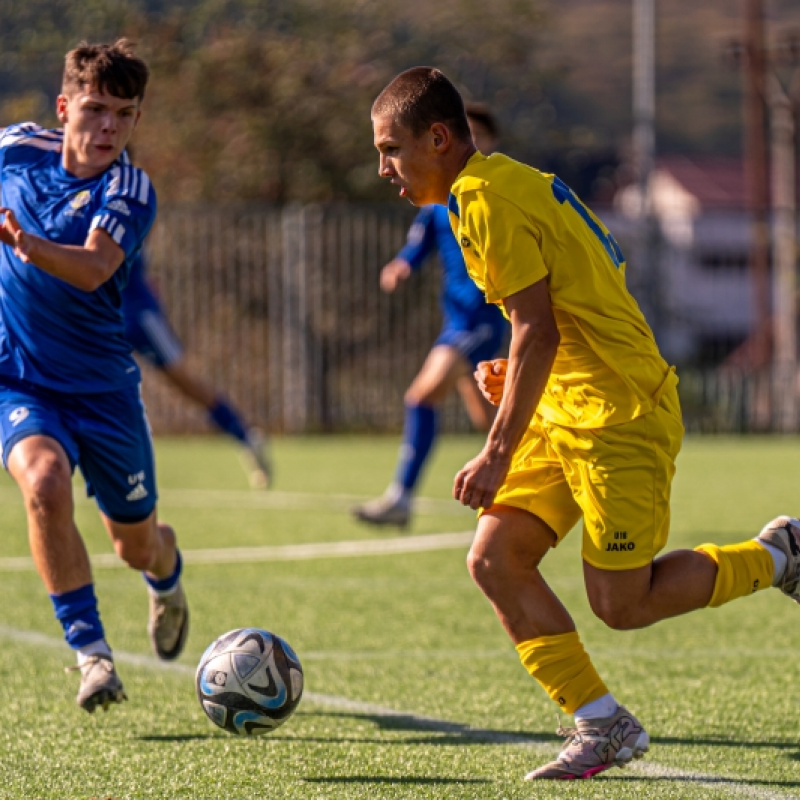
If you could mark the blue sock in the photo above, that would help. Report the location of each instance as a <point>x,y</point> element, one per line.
<point>419,433</point>
<point>228,419</point>
<point>77,612</point>
<point>165,584</point>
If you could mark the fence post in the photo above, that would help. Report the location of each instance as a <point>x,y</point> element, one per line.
<point>300,362</point>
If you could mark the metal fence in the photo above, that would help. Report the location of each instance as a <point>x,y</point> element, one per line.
<point>280,308</point>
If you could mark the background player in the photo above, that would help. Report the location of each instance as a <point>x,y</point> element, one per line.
<point>149,332</point>
<point>472,331</point>
<point>588,423</point>
<point>74,214</point>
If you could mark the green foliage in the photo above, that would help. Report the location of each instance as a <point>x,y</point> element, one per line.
<point>268,100</point>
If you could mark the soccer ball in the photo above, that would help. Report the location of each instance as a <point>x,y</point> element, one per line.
<point>249,681</point>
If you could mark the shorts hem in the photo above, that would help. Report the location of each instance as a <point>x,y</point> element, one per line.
<point>559,535</point>
<point>26,434</point>
<point>618,568</point>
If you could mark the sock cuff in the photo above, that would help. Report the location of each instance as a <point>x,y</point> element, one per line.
<point>165,584</point>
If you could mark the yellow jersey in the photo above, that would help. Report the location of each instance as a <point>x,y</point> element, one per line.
<point>516,226</point>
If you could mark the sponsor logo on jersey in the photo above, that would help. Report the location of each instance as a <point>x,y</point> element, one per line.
<point>18,415</point>
<point>119,205</point>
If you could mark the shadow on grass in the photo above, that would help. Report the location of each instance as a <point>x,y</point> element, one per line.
<point>393,780</point>
<point>181,737</point>
<point>715,780</point>
<point>460,732</point>
<point>456,733</point>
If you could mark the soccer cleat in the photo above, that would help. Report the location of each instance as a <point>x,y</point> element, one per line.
<point>100,684</point>
<point>385,511</point>
<point>256,459</point>
<point>784,533</point>
<point>168,625</point>
<point>596,745</point>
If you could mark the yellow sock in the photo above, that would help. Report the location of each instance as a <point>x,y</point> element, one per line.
<point>563,669</point>
<point>742,569</point>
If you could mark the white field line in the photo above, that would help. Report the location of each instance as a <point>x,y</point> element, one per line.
<point>272,499</point>
<point>648,768</point>
<point>289,552</point>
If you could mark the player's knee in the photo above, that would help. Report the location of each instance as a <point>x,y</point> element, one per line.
<point>484,571</point>
<point>48,488</point>
<point>618,616</point>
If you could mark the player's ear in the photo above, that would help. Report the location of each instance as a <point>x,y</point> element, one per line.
<point>61,107</point>
<point>440,136</point>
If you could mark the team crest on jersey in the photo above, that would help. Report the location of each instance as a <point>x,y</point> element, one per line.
<point>81,199</point>
<point>465,242</point>
<point>78,202</point>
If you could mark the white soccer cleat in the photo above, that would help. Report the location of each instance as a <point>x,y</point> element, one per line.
<point>784,533</point>
<point>100,684</point>
<point>596,745</point>
<point>168,624</point>
<point>257,460</point>
<point>385,510</point>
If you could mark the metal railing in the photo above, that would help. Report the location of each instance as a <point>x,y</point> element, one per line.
<point>280,308</point>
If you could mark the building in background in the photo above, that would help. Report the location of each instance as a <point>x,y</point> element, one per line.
<point>700,261</point>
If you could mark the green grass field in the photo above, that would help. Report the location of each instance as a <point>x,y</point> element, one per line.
<point>412,689</point>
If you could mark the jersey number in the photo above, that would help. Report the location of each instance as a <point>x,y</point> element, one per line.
<point>562,193</point>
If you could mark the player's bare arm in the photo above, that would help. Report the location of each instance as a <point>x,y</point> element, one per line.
<point>534,341</point>
<point>86,266</point>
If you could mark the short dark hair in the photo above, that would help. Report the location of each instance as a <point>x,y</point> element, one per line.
<point>480,113</point>
<point>421,96</point>
<point>111,68</point>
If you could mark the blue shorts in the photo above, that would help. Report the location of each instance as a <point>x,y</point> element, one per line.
<point>149,333</point>
<point>106,435</point>
<point>476,339</point>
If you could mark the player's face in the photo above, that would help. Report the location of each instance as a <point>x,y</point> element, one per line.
<point>97,126</point>
<point>410,162</point>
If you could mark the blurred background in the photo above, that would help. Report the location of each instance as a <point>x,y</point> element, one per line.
<point>676,122</point>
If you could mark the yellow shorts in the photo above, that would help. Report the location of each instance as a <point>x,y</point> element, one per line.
<point>617,478</point>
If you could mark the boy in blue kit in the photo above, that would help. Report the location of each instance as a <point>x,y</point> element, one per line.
<point>472,331</point>
<point>74,213</point>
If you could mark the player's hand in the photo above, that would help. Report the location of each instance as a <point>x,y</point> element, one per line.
<point>393,274</point>
<point>491,379</point>
<point>476,484</point>
<point>11,233</point>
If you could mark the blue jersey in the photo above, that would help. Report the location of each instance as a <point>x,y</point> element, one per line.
<point>52,334</point>
<point>137,294</point>
<point>461,299</point>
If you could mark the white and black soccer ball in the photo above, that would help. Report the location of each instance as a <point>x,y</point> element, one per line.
<point>249,681</point>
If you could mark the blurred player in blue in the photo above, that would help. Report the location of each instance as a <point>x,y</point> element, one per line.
<point>73,216</point>
<point>472,331</point>
<point>149,332</point>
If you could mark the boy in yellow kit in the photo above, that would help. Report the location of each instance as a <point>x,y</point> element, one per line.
<point>588,422</point>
